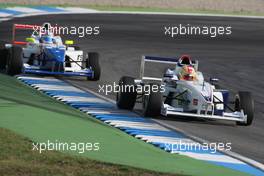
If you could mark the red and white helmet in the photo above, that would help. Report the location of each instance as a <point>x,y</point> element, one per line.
<point>184,60</point>
<point>187,73</point>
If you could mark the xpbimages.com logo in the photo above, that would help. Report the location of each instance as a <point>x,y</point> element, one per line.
<point>116,88</point>
<point>183,146</point>
<point>183,30</point>
<point>80,147</point>
<point>80,31</point>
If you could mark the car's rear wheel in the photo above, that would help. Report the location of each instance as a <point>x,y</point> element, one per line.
<point>152,103</point>
<point>93,63</point>
<point>244,101</point>
<point>127,95</point>
<point>3,55</point>
<point>59,67</point>
<point>3,58</point>
<point>14,61</point>
<point>76,48</point>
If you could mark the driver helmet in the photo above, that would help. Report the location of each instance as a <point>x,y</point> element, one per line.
<point>47,39</point>
<point>46,29</point>
<point>187,73</point>
<point>184,60</point>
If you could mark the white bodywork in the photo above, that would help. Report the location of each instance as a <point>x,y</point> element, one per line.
<point>75,55</point>
<point>193,98</point>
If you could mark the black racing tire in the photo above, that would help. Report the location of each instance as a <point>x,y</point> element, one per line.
<point>3,55</point>
<point>127,95</point>
<point>76,48</point>
<point>245,102</point>
<point>217,86</point>
<point>93,63</point>
<point>3,58</point>
<point>152,103</point>
<point>14,61</point>
<point>59,67</point>
<point>31,59</point>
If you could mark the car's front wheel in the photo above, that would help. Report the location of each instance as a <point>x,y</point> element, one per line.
<point>127,95</point>
<point>244,101</point>
<point>152,103</point>
<point>93,63</point>
<point>14,61</point>
<point>3,58</point>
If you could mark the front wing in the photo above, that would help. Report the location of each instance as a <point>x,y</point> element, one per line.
<point>86,72</point>
<point>230,116</point>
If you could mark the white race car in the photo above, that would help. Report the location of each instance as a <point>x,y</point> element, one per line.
<point>44,53</point>
<point>182,91</point>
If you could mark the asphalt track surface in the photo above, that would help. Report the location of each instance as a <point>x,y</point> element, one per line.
<point>237,60</point>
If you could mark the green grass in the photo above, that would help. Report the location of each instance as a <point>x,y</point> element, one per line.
<point>17,158</point>
<point>32,114</point>
<point>146,9</point>
<point>6,5</point>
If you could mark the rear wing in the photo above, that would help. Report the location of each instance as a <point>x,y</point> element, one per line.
<point>22,27</point>
<point>154,59</point>
<point>34,28</point>
<point>162,60</point>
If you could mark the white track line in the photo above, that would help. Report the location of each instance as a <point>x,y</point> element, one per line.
<point>77,10</point>
<point>26,10</point>
<point>81,99</point>
<point>3,14</point>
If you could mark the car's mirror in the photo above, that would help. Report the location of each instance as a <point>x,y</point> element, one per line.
<point>214,80</point>
<point>30,40</point>
<point>69,42</point>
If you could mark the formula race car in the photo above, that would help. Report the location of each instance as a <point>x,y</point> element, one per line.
<point>182,91</point>
<point>44,53</point>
